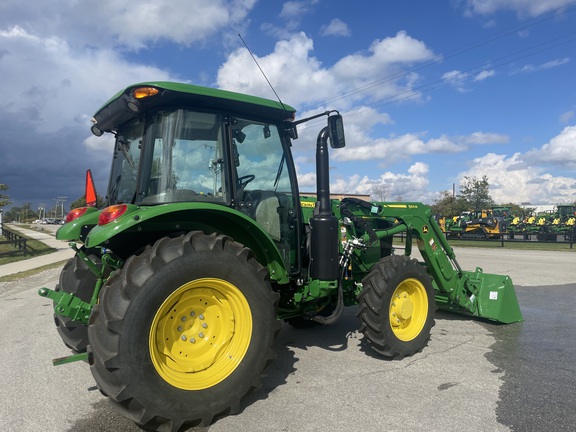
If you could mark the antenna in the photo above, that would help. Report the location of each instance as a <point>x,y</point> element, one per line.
<point>265,77</point>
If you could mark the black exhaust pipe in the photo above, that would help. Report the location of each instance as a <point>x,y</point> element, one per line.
<point>323,224</point>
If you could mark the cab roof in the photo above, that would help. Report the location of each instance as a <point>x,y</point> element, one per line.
<point>116,112</point>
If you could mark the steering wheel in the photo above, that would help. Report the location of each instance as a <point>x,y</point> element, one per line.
<point>241,182</point>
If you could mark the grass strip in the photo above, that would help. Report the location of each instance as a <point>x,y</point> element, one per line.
<point>34,248</point>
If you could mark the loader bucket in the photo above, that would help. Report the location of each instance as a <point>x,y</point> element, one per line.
<point>495,299</point>
<point>484,295</point>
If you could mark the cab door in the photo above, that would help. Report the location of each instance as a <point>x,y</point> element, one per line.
<point>265,183</point>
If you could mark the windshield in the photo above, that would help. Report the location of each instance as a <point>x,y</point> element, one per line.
<point>123,176</point>
<point>182,159</point>
<point>186,158</point>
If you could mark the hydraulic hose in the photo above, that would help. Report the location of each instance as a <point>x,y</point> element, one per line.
<point>338,311</point>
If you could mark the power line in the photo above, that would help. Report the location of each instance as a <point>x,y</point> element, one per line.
<point>494,64</point>
<point>498,63</point>
<point>562,10</point>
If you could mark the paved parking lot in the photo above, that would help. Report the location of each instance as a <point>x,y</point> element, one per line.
<point>472,376</point>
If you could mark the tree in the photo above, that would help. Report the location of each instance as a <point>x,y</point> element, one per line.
<point>381,190</point>
<point>13,215</point>
<point>476,193</point>
<point>518,210</point>
<point>448,205</point>
<point>4,199</point>
<point>81,202</point>
<point>26,213</point>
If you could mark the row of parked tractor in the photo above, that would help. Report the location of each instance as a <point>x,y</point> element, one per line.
<point>500,221</point>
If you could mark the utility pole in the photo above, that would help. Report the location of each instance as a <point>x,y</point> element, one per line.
<point>59,202</point>
<point>453,197</point>
<point>62,200</point>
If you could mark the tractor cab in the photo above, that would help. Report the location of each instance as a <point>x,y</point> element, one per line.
<point>185,148</point>
<point>182,155</point>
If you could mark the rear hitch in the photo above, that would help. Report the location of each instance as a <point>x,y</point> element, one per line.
<point>70,359</point>
<point>68,305</point>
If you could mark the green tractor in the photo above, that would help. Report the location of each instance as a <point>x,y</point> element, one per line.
<point>179,286</point>
<point>561,222</point>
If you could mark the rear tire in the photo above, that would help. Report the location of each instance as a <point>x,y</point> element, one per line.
<point>77,279</point>
<point>183,332</point>
<point>397,306</point>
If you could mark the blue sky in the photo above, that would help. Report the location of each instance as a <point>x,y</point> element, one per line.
<point>431,91</point>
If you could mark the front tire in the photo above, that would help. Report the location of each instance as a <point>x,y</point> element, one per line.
<point>183,332</point>
<point>397,306</point>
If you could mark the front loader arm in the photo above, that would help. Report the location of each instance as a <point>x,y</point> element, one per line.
<point>480,294</point>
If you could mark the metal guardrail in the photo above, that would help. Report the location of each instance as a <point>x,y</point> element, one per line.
<point>15,239</point>
<point>569,238</point>
<point>531,238</point>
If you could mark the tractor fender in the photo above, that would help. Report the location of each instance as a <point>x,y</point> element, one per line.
<point>140,226</point>
<point>77,228</point>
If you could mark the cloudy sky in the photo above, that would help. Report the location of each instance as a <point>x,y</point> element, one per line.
<point>431,91</point>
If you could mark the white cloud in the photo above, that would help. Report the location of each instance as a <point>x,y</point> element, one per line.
<point>123,22</point>
<point>524,33</point>
<point>294,71</point>
<point>63,93</point>
<point>544,66</point>
<point>307,182</point>
<point>456,78</point>
<point>290,68</point>
<point>410,186</point>
<point>292,9</point>
<point>484,74</point>
<point>100,146</point>
<point>383,54</point>
<point>567,116</point>
<point>49,92</point>
<point>521,7</point>
<point>336,27</point>
<point>363,147</point>
<point>523,177</point>
<point>484,138</point>
<point>292,14</point>
<point>559,151</point>
<point>152,20</point>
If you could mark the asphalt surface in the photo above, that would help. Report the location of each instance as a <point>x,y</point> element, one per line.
<point>473,375</point>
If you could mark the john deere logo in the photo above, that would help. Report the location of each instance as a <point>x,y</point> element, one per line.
<point>425,229</point>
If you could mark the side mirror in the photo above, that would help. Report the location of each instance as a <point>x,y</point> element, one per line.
<point>291,130</point>
<point>336,131</point>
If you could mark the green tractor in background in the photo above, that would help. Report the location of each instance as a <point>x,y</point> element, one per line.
<point>560,221</point>
<point>179,286</point>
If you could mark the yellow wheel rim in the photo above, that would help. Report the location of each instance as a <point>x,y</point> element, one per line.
<point>200,334</point>
<point>408,309</point>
